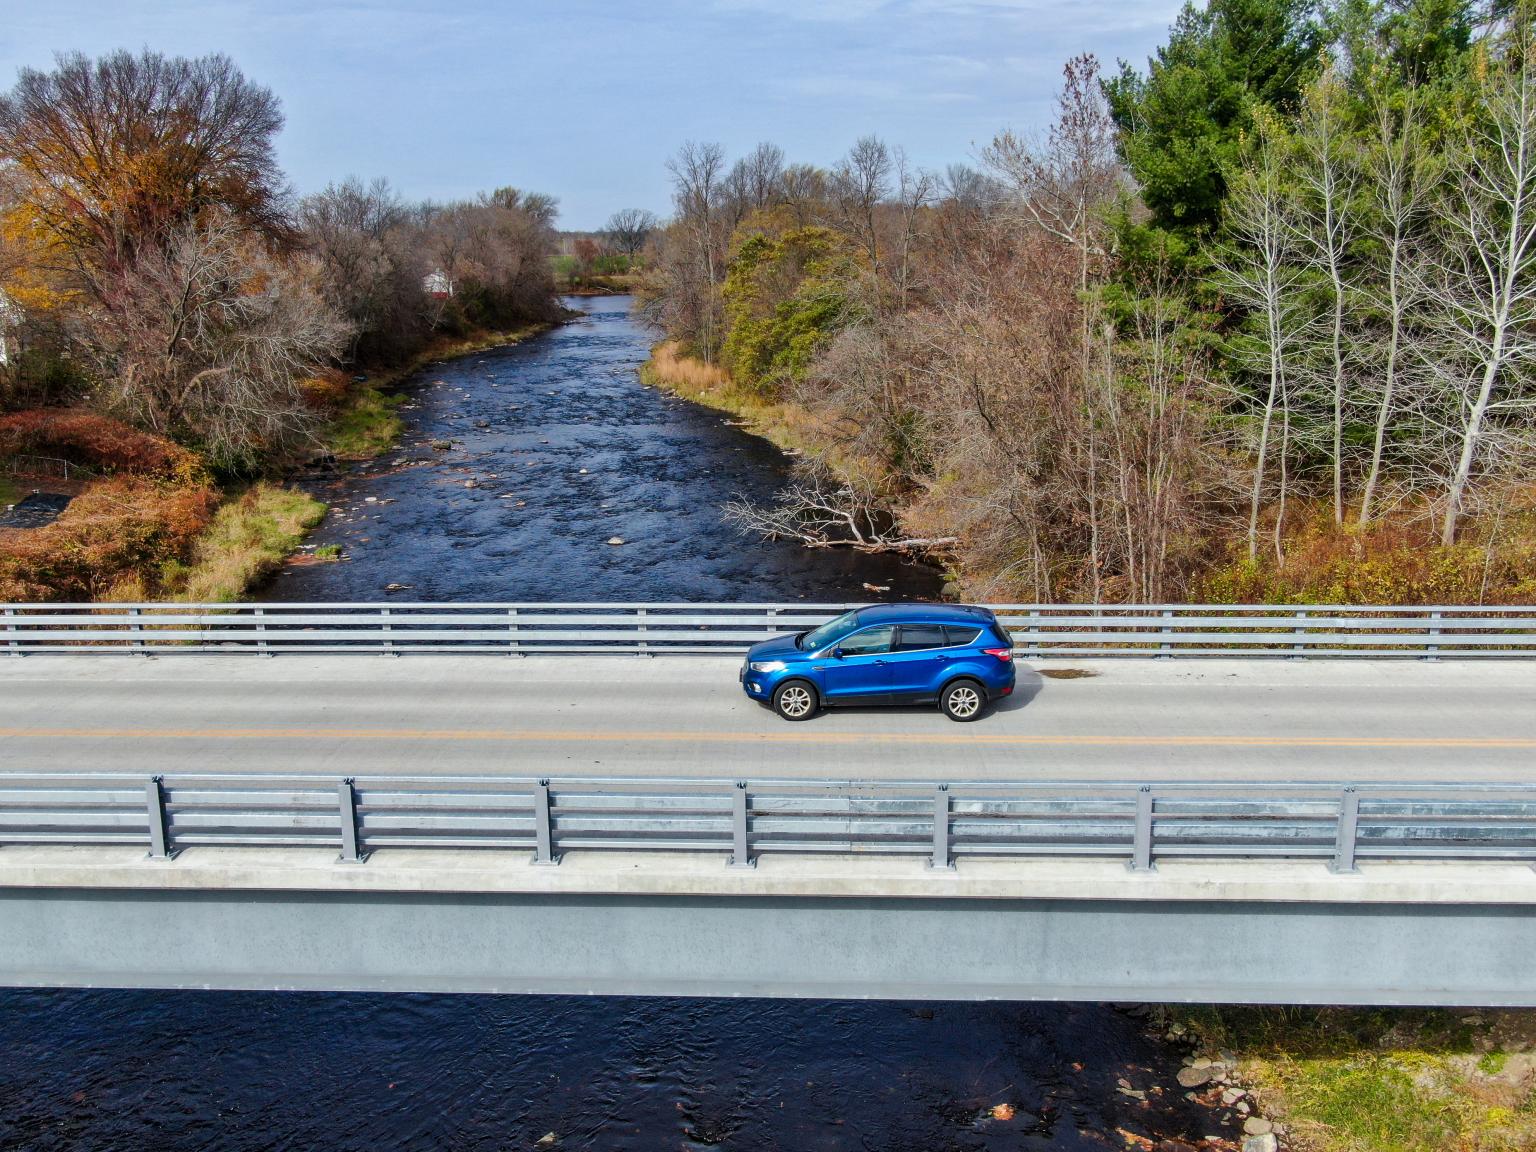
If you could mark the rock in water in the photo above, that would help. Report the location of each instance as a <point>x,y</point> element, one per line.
<point>1195,1077</point>
<point>615,540</point>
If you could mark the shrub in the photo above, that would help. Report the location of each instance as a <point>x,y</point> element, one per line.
<point>96,442</point>
<point>109,536</point>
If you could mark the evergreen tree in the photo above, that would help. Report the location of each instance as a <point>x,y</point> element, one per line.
<point>1181,124</point>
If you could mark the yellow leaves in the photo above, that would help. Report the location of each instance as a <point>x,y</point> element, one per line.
<point>27,263</point>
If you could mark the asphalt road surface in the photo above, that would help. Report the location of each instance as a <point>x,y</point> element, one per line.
<point>686,716</point>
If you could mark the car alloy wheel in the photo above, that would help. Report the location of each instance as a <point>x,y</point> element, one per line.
<point>795,700</point>
<point>963,701</point>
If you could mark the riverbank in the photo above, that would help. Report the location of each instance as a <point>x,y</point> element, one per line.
<point>519,465</point>
<point>790,427</point>
<point>368,424</point>
<point>1371,1080</point>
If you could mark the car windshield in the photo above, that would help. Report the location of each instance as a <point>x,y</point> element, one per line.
<point>817,637</point>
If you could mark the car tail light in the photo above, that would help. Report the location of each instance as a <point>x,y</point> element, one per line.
<point>1003,654</point>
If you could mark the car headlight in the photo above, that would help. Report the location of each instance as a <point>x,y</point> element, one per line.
<point>767,665</point>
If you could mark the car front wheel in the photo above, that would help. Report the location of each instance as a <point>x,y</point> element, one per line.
<point>963,700</point>
<point>795,700</point>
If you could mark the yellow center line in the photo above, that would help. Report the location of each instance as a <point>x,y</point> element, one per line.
<point>561,736</point>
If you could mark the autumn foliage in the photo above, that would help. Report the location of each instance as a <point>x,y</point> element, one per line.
<point>110,536</point>
<point>95,442</point>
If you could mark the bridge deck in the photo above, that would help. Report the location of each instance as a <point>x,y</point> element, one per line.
<point>676,716</point>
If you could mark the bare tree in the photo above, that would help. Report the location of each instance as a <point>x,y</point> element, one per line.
<point>860,182</point>
<point>209,339</point>
<point>1398,173</point>
<point>1260,274</point>
<point>628,229</point>
<point>697,171</point>
<point>121,152</point>
<point>1482,280</point>
<point>1328,175</point>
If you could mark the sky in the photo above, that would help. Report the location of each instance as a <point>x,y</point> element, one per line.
<point>586,99</point>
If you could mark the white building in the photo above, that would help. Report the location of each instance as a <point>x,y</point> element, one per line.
<point>437,284</point>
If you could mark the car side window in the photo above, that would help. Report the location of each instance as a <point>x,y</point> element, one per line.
<point>917,637</point>
<point>962,636</point>
<point>868,642</point>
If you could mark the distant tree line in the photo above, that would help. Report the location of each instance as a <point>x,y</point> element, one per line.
<point>158,268</point>
<point>1275,289</point>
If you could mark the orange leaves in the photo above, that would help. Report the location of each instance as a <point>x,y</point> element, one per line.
<point>97,442</point>
<point>116,530</point>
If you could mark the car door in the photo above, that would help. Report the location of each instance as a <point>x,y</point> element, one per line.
<point>863,668</point>
<point>917,662</point>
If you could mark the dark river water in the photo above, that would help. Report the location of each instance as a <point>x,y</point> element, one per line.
<point>566,450</point>
<point>246,1071</point>
<point>250,1072</point>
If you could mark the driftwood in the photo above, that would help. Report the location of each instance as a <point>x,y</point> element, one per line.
<point>821,511</point>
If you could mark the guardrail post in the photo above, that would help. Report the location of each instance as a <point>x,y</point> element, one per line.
<point>512,641</point>
<point>640,632</point>
<point>543,827</point>
<point>942,860</point>
<point>12,642</point>
<point>1141,844</point>
<point>1165,648</point>
<point>159,828</point>
<point>136,633</point>
<point>741,854</point>
<point>772,622</point>
<point>1032,634</point>
<point>261,632</point>
<point>386,628</point>
<point>346,795</point>
<point>1431,650</point>
<point>1349,824</point>
<point>1300,646</point>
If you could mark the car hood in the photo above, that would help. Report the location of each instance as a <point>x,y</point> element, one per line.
<point>779,648</point>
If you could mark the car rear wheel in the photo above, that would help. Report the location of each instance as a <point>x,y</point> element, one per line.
<point>963,700</point>
<point>795,700</point>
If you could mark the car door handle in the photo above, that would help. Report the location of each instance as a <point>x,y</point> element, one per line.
<point>942,659</point>
<point>879,663</point>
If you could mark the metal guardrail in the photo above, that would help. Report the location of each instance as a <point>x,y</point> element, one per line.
<point>743,820</point>
<point>653,629</point>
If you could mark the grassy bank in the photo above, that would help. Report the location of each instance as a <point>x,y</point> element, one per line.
<point>250,537</point>
<point>9,492</point>
<point>782,422</point>
<point>368,423</point>
<point>618,284</point>
<point>1383,1080</point>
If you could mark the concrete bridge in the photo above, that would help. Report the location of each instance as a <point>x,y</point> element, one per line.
<point>1233,926</point>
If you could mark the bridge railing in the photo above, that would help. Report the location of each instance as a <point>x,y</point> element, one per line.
<point>746,819</point>
<point>1039,630</point>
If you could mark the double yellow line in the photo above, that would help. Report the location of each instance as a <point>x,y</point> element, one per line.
<point>562,736</point>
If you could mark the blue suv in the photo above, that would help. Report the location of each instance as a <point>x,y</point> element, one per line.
<point>886,654</point>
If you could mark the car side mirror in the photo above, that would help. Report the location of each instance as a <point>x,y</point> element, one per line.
<point>837,653</point>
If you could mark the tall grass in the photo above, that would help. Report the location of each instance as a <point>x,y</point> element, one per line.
<point>249,539</point>
<point>1385,1080</point>
<point>786,423</point>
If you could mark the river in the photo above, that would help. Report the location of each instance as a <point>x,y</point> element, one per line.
<point>250,1072</point>
<point>567,450</point>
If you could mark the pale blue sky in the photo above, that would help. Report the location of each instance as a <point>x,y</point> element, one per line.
<point>585,99</point>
